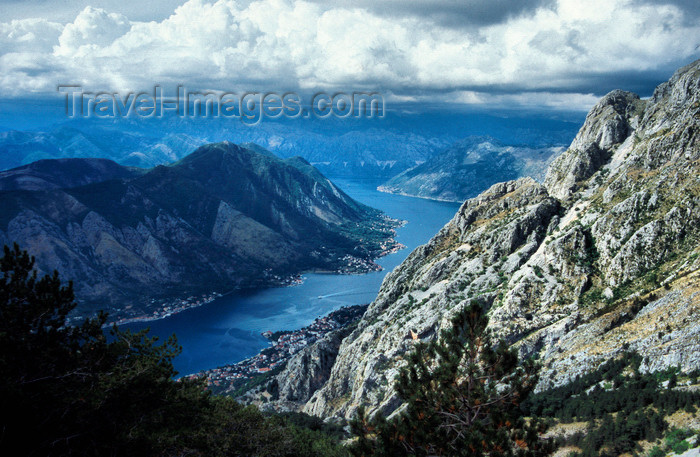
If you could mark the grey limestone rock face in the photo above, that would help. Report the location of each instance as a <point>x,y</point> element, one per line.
<point>604,257</point>
<point>607,125</point>
<point>305,373</point>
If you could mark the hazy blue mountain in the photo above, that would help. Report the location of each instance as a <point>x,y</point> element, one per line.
<point>378,148</point>
<point>469,166</point>
<point>127,148</point>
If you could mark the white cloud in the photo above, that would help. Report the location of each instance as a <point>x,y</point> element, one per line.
<point>29,35</point>
<point>561,47</point>
<point>91,30</point>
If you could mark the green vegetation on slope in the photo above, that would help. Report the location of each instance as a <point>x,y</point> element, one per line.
<point>70,391</point>
<point>622,406</point>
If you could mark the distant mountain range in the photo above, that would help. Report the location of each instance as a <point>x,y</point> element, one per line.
<point>225,216</point>
<point>124,147</point>
<point>469,166</point>
<point>368,148</point>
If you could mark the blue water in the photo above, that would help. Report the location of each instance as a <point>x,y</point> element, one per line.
<point>228,329</point>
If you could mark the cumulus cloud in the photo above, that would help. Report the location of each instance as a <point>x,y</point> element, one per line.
<point>92,30</point>
<point>473,51</point>
<point>690,7</point>
<point>29,35</point>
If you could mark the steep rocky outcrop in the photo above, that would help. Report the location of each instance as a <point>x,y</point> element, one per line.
<point>607,125</point>
<point>223,217</point>
<point>470,165</point>
<point>604,257</point>
<point>305,373</point>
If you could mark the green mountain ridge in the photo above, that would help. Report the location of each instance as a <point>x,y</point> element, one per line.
<point>223,217</point>
<point>64,173</point>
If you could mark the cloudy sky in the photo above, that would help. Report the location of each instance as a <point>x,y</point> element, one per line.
<point>549,53</point>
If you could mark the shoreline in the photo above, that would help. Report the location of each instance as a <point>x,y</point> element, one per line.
<point>354,266</point>
<point>387,190</point>
<point>177,306</point>
<point>207,298</point>
<point>227,379</point>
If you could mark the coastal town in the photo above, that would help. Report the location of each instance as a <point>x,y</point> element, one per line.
<point>349,264</point>
<point>352,265</point>
<point>283,345</point>
<point>164,309</point>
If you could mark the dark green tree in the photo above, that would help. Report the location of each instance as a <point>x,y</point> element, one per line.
<point>462,397</point>
<point>70,391</point>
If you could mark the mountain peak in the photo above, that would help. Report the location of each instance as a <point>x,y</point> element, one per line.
<point>213,149</point>
<point>607,125</point>
<point>683,86</point>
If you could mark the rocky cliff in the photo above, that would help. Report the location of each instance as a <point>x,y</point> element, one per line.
<point>223,217</point>
<point>602,257</point>
<point>305,373</point>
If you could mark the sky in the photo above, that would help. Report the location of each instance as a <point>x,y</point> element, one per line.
<point>558,54</point>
